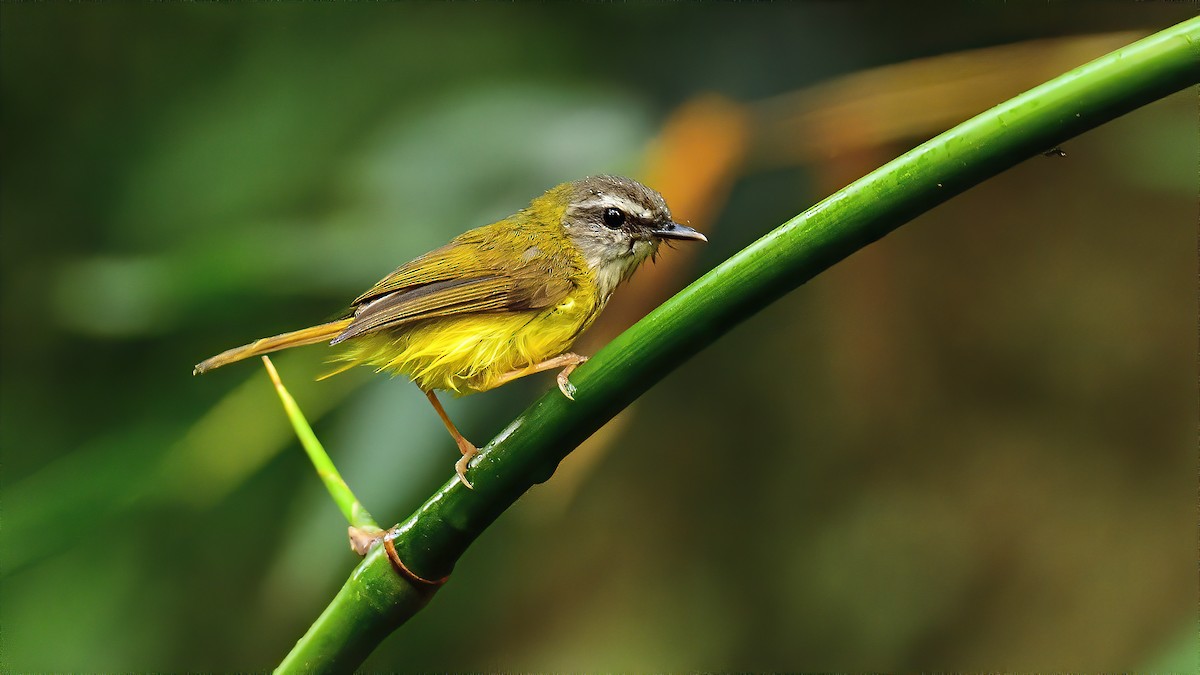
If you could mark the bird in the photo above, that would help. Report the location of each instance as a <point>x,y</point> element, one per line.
<point>498,302</point>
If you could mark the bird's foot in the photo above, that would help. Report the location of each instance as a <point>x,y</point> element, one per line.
<point>564,384</point>
<point>468,453</point>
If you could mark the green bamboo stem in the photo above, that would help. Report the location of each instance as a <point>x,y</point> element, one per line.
<point>375,600</point>
<point>356,514</point>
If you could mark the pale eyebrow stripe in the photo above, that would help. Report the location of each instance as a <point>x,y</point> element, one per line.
<point>619,202</point>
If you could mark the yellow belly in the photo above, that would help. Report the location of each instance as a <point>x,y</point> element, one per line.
<point>469,353</point>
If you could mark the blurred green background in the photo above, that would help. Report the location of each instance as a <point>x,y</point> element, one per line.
<point>971,445</point>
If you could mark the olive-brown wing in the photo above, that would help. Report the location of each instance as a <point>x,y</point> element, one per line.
<point>443,264</point>
<point>440,285</point>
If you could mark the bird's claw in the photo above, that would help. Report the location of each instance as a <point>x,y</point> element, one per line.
<point>564,382</point>
<point>460,467</point>
<point>565,386</point>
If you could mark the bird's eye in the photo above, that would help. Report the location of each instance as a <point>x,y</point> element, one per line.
<point>614,217</point>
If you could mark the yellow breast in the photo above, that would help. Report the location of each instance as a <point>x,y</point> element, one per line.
<point>469,353</point>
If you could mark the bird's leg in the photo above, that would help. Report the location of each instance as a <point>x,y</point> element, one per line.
<point>464,446</point>
<point>568,362</point>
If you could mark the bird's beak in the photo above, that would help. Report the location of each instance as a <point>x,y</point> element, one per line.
<point>677,231</point>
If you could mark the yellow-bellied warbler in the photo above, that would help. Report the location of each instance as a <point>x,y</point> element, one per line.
<point>498,302</point>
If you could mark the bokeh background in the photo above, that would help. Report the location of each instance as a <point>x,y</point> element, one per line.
<point>972,445</point>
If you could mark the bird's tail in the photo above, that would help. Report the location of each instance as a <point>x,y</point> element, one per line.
<point>298,338</point>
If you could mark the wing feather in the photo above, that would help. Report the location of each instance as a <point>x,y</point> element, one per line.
<point>437,265</point>
<point>449,281</point>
